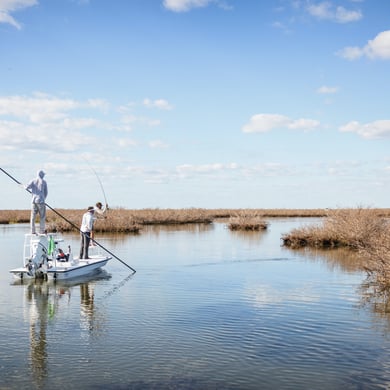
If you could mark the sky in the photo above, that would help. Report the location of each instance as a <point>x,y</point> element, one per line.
<point>196,103</point>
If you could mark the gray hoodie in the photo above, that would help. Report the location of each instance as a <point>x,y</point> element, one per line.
<point>38,188</point>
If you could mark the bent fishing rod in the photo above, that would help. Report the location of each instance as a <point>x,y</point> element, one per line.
<point>100,182</point>
<point>71,223</point>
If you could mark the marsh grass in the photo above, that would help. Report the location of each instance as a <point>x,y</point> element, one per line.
<point>248,221</point>
<point>376,252</point>
<point>127,220</point>
<point>156,216</point>
<point>365,231</point>
<point>351,228</point>
<point>170,216</point>
<point>113,222</point>
<point>14,216</point>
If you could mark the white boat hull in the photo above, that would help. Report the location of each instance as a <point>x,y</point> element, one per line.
<point>66,271</point>
<point>43,261</point>
<point>79,268</point>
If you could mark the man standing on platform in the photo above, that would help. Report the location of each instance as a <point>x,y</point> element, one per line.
<point>38,189</point>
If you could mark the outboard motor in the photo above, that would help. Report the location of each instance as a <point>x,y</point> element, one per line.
<point>37,261</point>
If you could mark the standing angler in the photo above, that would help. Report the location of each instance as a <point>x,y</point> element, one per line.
<point>85,230</point>
<point>38,188</point>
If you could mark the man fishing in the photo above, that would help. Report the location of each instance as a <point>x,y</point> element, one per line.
<point>39,192</point>
<point>86,229</point>
<point>99,210</point>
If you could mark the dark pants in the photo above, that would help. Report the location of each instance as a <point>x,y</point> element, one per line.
<point>85,239</point>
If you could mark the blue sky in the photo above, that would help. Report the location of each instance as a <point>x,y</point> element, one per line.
<point>196,103</point>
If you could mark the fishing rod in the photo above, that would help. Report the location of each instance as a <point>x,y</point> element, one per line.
<point>71,223</point>
<point>101,186</point>
<point>100,182</point>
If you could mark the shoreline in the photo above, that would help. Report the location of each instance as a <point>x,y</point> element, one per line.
<point>124,220</point>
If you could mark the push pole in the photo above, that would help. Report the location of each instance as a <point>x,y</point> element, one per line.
<point>72,224</point>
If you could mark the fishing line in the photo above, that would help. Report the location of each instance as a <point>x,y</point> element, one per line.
<point>100,182</point>
<point>71,223</point>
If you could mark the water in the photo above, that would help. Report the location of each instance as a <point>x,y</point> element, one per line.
<point>207,309</point>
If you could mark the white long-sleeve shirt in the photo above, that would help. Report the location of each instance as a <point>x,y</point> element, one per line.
<point>87,222</point>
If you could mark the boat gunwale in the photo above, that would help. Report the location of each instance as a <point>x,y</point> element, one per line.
<point>75,267</point>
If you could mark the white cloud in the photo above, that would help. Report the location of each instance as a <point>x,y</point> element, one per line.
<point>49,124</point>
<point>351,53</point>
<point>42,107</point>
<point>157,144</point>
<point>45,123</point>
<point>327,90</point>
<point>262,123</point>
<point>9,6</point>
<point>327,11</point>
<point>185,5</point>
<point>379,47</point>
<point>376,129</point>
<point>159,103</point>
<point>133,119</point>
<point>126,143</point>
<point>40,137</point>
<point>187,170</point>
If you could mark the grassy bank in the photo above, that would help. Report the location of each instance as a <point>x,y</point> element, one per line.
<point>127,220</point>
<point>364,231</point>
<point>166,216</point>
<point>352,228</point>
<point>248,221</point>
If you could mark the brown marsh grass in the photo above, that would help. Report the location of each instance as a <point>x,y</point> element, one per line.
<point>119,219</point>
<point>363,230</point>
<point>113,222</point>
<point>340,228</point>
<point>14,216</point>
<point>376,252</point>
<point>172,216</point>
<point>247,220</point>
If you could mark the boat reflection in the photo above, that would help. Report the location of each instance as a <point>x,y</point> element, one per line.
<point>43,302</point>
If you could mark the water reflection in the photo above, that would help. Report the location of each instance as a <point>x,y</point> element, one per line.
<point>371,296</point>
<point>378,300</point>
<point>150,230</point>
<point>189,227</point>
<point>336,259</point>
<point>38,296</point>
<point>251,237</point>
<point>216,310</point>
<point>45,300</point>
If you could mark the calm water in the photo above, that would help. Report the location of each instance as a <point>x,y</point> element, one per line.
<point>207,309</point>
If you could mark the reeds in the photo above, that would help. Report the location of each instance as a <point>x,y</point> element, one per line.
<point>365,231</point>
<point>169,216</point>
<point>376,252</point>
<point>248,221</point>
<point>14,216</point>
<point>127,220</point>
<point>113,222</point>
<point>351,228</point>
